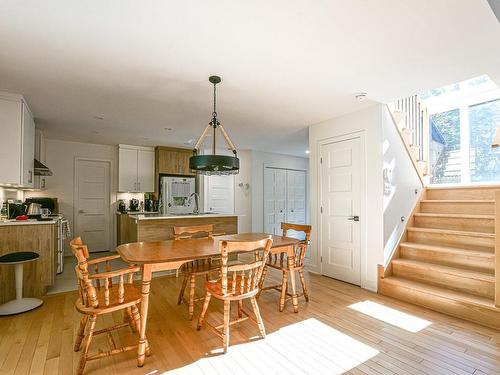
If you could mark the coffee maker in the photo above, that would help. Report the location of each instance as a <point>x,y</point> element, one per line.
<point>134,205</point>
<point>122,207</point>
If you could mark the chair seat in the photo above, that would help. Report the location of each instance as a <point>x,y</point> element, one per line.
<point>215,288</point>
<point>132,296</point>
<point>19,257</point>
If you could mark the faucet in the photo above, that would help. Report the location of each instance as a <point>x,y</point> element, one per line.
<point>196,209</point>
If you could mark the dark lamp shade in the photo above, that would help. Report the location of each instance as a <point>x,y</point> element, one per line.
<point>214,164</point>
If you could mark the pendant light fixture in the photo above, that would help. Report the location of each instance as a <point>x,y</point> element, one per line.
<point>213,164</point>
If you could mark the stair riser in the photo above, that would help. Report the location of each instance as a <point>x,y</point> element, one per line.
<point>448,281</point>
<point>484,208</point>
<point>476,193</point>
<point>459,309</point>
<point>474,263</point>
<point>468,224</point>
<point>461,242</point>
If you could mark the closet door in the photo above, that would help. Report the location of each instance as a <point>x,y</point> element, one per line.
<point>296,197</point>
<point>274,199</point>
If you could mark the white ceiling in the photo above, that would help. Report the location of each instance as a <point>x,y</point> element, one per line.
<point>143,65</point>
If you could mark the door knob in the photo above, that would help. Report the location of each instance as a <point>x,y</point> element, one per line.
<point>353,218</point>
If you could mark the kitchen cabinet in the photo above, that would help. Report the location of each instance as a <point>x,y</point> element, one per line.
<point>135,168</point>
<point>173,161</point>
<point>17,144</point>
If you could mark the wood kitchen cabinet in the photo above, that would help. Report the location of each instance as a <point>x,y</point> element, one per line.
<point>38,275</point>
<point>17,143</point>
<point>135,168</point>
<point>173,161</point>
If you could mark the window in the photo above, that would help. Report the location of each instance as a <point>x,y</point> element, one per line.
<point>445,147</point>
<point>484,118</point>
<point>463,119</point>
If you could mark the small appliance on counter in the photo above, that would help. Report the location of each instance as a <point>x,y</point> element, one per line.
<point>134,205</point>
<point>14,208</point>
<point>34,210</point>
<point>43,202</point>
<point>122,207</point>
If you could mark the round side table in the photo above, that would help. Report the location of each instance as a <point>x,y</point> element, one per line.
<point>19,304</point>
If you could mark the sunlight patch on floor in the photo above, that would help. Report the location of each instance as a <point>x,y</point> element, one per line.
<point>391,316</point>
<point>309,346</point>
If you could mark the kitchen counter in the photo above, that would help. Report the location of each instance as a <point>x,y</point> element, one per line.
<point>136,212</point>
<point>159,227</point>
<point>27,222</point>
<point>149,216</point>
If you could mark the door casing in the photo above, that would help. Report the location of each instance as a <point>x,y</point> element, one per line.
<point>75,196</point>
<point>362,203</point>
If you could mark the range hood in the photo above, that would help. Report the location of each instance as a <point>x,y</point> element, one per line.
<point>41,169</point>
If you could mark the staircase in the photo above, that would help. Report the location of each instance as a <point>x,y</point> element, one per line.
<point>446,258</point>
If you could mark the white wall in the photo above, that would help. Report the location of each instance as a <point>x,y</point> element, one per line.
<point>369,122</point>
<point>403,188</point>
<point>259,159</point>
<point>60,158</point>
<point>243,196</point>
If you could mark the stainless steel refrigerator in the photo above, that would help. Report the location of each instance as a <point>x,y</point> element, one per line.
<point>176,193</point>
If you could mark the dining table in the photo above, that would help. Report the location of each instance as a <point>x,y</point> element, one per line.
<point>155,256</point>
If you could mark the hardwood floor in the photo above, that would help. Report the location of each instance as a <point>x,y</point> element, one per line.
<point>330,334</point>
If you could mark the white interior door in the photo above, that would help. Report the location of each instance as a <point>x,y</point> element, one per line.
<point>340,241</point>
<point>219,193</point>
<point>274,199</point>
<point>92,204</point>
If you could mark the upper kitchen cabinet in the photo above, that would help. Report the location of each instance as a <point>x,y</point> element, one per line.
<point>173,161</point>
<point>17,143</point>
<point>135,168</point>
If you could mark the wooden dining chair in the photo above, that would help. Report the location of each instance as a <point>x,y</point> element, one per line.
<point>280,262</point>
<point>96,300</point>
<point>193,269</point>
<point>77,242</point>
<point>237,283</point>
<point>102,264</point>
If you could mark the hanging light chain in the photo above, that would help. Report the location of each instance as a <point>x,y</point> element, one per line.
<point>215,122</point>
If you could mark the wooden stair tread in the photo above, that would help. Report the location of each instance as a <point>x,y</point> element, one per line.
<point>458,216</point>
<point>452,232</point>
<point>457,201</point>
<point>443,293</point>
<point>432,267</point>
<point>448,249</point>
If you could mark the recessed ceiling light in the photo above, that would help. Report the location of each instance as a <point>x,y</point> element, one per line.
<point>99,117</point>
<point>308,152</point>
<point>168,129</point>
<point>360,96</point>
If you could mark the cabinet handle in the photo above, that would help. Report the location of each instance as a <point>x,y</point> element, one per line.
<point>139,186</point>
<point>30,179</point>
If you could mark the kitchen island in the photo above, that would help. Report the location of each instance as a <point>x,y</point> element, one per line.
<point>158,227</point>
<point>32,235</point>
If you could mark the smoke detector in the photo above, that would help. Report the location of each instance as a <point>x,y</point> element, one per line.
<point>360,96</point>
